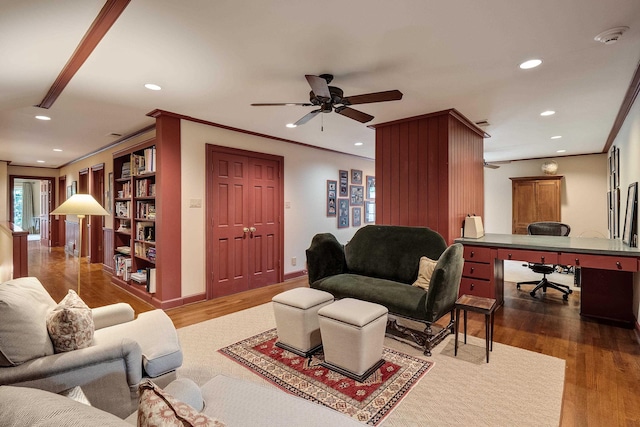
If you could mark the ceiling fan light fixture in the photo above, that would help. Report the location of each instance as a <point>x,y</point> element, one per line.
<point>531,63</point>
<point>547,113</point>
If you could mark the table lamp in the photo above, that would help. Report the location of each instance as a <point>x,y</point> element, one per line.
<point>80,205</point>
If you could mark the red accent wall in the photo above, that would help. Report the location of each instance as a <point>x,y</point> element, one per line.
<point>429,172</point>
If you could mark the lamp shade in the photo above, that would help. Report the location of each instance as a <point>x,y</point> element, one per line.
<point>80,204</point>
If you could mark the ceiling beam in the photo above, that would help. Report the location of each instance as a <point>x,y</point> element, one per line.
<point>103,22</point>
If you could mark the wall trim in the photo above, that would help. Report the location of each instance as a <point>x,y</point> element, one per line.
<point>627,103</point>
<point>157,112</point>
<point>295,274</point>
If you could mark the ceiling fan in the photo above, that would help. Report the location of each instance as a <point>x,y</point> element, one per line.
<point>331,98</point>
<point>495,165</point>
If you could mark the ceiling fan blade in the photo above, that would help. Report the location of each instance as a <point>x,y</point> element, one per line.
<point>389,95</point>
<point>319,86</point>
<point>491,165</point>
<point>287,104</point>
<point>354,114</point>
<point>307,117</point>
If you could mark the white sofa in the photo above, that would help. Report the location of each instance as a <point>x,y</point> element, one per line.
<point>124,349</point>
<point>235,402</point>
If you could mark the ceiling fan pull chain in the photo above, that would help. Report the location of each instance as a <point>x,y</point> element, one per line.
<point>322,123</point>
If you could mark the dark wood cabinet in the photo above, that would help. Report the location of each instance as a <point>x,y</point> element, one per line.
<point>534,199</point>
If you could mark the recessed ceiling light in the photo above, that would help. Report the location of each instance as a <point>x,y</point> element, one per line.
<point>556,137</point>
<point>43,117</point>
<point>548,113</point>
<point>532,63</point>
<point>291,125</point>
<point>561,151</point>
<point>358,144</point>
<point>152,86</point>
<point>40,161</point>
<point>57,149</point>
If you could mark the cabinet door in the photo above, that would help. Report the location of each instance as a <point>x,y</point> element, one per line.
<point>534,200</point>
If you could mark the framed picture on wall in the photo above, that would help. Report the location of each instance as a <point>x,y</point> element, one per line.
<point>344,183</point>
<point>371,187</point>
<point>369,212</point>
<point>74,187</point>
<point>356,195</point>
<point>356,176</point>
<point>343,213</point>
<point>356,216</point>
<point>616,212</point>
<point>630,232</point>
<point>332,190</point>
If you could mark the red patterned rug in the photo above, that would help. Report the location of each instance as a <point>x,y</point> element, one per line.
<point>370,401</point>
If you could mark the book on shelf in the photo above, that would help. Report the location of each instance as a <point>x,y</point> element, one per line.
<point>123,208</point>
<point>146,231</point>
<point>124,249</point>
<point>139,276</point>
<point>151,253</point>
<point>126,170</point>
<point>151,280</point>
<point>122,264</point>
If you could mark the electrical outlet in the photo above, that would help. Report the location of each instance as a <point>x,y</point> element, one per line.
<point>293,260</point>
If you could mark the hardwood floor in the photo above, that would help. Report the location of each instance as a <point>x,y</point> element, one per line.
<point>602,379</point>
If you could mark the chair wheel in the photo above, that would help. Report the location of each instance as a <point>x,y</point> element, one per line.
<point>565,297</point>
<point>570,291</point>
<point>533,294</point>
<point>518,287</point>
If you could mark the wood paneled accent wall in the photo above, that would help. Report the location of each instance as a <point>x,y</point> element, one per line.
<point>107,239</point>
<point>429,172</point>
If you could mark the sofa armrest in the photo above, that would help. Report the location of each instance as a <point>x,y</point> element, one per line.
<point>325,257</point>
<point>61,371</point>
<point>113,314</point>
<point>445,283</point>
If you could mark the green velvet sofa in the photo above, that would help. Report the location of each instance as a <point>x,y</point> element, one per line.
<point>379,264</point>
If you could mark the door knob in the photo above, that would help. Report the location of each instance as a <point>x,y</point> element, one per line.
<point>245,230</point>
<point>252,229</point>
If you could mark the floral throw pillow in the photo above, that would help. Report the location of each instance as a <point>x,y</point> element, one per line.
<point>159,409</point>
<point>70,324</point>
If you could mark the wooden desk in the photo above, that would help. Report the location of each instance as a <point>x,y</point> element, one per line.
<point>607,269</point>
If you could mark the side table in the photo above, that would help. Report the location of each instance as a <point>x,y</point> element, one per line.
<point>486,306</point>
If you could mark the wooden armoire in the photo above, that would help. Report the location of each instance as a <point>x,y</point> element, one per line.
<point>429,172</point>
<point>534,199</point>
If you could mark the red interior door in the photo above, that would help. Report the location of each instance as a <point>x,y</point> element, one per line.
<point>243,211</point>
<point>263,218</point>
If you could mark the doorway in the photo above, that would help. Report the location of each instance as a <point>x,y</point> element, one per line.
<point>30,203</point>
<point>245,212</point>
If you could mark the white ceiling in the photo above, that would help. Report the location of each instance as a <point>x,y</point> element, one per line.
<point>214,58</point>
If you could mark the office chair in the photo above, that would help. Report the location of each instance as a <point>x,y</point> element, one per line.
<point>546,229</point>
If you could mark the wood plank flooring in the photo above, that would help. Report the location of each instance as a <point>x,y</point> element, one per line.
<point>602,379</point>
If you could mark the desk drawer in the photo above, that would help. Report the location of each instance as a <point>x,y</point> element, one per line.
<point>540,257</point>
<point>477,287</point>
<point>476,269</point>
<point>477,254</point>
<point>599,261</point>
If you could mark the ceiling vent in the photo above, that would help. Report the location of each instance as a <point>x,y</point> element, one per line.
<point>115,135</point>
<point>610,36</point>
<point>482,123</point>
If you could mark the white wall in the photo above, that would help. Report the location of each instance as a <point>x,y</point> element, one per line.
<point>583,197</point>
<point>306,171</point>
<point>628,141</point>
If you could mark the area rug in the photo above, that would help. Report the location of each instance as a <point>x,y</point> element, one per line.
<point>517,388</point>
<point>369,401</point>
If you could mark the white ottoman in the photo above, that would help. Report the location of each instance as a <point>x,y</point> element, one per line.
<point>352,337</point>
<point>296,313</point>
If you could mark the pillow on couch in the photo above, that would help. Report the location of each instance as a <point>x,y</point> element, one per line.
<point>24,304</point>
<point>425,271</point>
<point>70,324</point>
<point>158,408</point>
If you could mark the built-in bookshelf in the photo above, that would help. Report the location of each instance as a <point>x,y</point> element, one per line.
<point>134,219</point>
<point>146,233</point>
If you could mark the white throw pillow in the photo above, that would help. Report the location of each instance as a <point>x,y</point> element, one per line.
<point>425,271</point>
<point>24,304</point>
